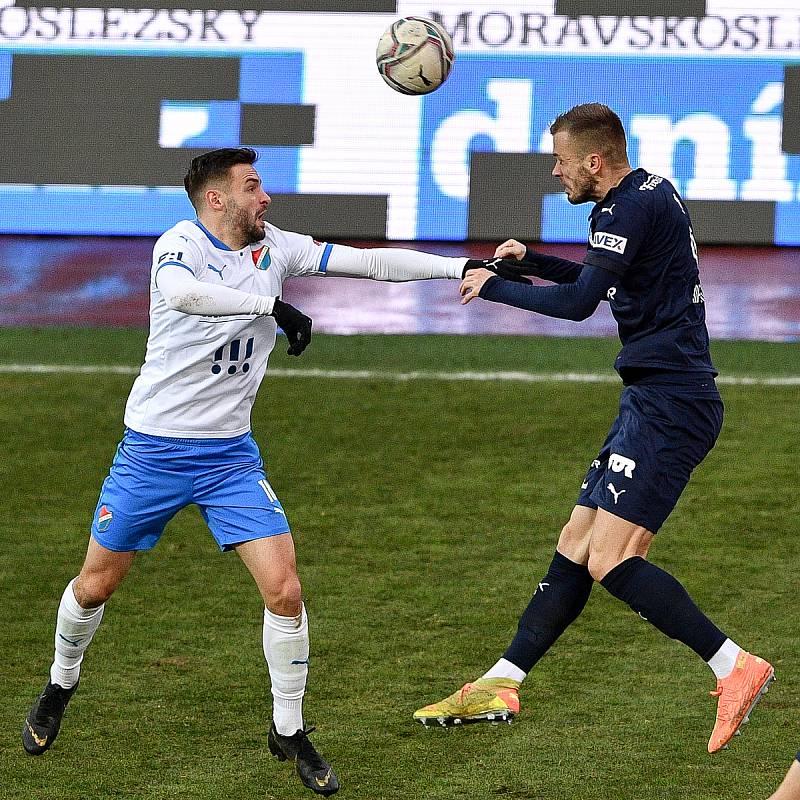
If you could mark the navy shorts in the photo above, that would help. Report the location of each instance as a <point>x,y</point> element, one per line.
<point>665,428</point>
<point>154,477</point>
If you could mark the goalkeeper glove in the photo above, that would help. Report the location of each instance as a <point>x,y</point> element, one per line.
<point>508,270</point>
<point>295,324</point>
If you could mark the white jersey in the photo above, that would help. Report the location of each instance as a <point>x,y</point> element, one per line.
<point>201,374</point>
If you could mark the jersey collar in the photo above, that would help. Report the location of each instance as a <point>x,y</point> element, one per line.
<point>614,189</point>
<point>218,243</point>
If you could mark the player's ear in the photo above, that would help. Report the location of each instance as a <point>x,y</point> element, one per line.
<point>593,162</point>
<point>214,199</point>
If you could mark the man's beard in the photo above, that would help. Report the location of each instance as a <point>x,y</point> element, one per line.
<point>584,188</point>
<point>240,222</point>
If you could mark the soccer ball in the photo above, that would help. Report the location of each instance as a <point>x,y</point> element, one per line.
<point>415,55</point>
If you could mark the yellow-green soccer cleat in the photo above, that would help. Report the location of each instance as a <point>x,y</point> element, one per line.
<point>485,700</point>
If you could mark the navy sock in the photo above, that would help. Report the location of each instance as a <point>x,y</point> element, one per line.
<point>663,602</point>
<point>558,600</point>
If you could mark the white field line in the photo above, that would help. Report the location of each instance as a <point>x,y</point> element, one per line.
<point>371,374</point>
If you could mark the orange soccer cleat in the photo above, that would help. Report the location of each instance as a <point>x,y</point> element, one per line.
<point>738,695</point>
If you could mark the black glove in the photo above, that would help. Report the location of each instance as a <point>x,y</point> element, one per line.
<point>295,324</point>
<point>508,270</point>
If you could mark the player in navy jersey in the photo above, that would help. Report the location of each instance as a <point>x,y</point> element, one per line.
<point>642,259</point>
<point>215,286</point>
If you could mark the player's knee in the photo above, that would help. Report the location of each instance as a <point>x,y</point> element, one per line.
<point>573,541</point>
<point>569,535</point>
<point>601,562</point>
<point>285,598</point>
<point>93,590</point>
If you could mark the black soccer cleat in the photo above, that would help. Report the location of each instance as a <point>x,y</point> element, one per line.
<point>314,771</point>
<point>44,719</point>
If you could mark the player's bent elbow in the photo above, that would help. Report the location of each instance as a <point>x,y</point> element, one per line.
<point>580,313</point>
<point>186,303</point>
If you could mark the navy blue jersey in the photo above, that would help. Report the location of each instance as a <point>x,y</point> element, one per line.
<point>641,232</point>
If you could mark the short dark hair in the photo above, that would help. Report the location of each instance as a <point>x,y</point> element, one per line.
<point>595,128</point>
<point>214,165</point>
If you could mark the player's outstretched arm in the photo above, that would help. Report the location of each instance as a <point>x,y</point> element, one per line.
<point>575,301</point>
<point>391,264</point>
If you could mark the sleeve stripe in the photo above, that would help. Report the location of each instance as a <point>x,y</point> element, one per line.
<point>326,254</point>
<point>172,263</point>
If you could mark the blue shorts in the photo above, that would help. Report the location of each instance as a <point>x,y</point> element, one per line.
<point>154,477</point>
<point>665,428</point>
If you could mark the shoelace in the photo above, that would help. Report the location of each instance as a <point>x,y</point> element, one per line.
<point>728,704</point>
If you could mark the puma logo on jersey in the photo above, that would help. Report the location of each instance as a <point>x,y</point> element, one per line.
<point>610,209</point>
<point>218,270</point>
<point>616,493</point>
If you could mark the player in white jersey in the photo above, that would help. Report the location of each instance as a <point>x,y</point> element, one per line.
<point>214,309</point>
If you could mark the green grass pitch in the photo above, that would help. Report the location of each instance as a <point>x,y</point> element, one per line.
<point>424,512</point>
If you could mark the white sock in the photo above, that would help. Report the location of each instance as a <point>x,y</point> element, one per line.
<point>505,669</point>
<point>285,642</point>
<point>724,660</point>
<point>75,628</point>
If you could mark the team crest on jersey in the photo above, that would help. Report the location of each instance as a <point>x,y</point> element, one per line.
<point>261,257</point>
<point>104,517</point>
